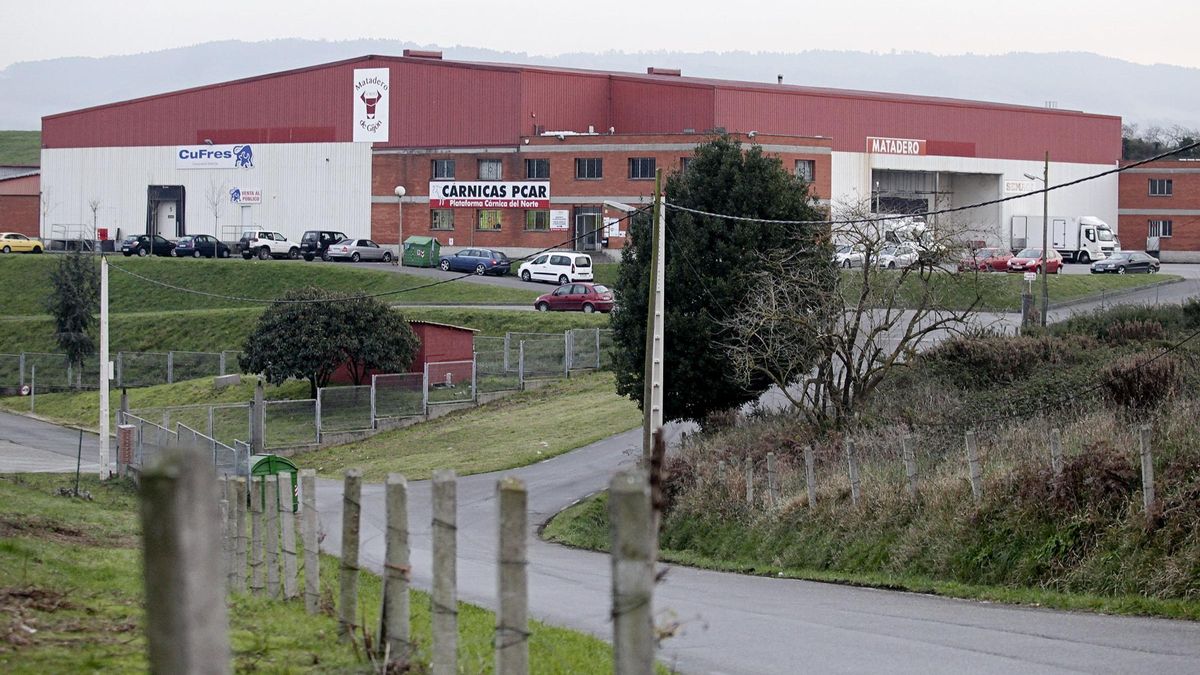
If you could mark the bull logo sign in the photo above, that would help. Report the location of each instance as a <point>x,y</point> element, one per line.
<point>371,104</point>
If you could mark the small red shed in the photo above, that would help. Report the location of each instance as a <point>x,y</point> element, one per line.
<point>450,348</point>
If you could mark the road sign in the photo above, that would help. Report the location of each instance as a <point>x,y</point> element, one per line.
<point>25,390</point>
<point>1031,276</point>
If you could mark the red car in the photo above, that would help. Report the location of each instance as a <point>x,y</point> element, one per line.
<point>986,260</point>
<point>576,297</point>
<point>1030,260</point>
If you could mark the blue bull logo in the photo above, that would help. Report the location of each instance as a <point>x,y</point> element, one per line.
<point>243,156</point>
<point>235,195</point>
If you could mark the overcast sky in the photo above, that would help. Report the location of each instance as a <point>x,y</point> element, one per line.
<point>1159,32</point>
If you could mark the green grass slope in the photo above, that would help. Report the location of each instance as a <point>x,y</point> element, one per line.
<point>20,147</point>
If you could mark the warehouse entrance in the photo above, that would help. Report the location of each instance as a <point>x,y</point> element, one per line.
<point>164,211</point>
<point>588,221</point>
<point>910,192</point>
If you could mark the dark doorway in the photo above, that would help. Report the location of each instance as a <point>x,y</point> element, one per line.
<point>164,210</point>
<point>588,221</point>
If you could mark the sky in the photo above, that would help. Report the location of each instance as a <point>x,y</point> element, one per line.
<point>1160,32</point>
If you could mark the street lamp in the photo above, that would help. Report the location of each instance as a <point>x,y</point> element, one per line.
<point>1045,179</point>
<point>400,228</point>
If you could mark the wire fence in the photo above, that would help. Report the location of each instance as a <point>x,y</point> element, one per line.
<point>290,424</point>
<point>399,395</point>
<point>450,382</point>
<point>344,409</point>
<point>53,372</point>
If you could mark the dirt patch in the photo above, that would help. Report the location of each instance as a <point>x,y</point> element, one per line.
<point>36,527</point>
<point>18,626</point>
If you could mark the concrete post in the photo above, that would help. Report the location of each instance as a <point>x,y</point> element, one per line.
<point>394,632</point>
<point>425,391</point>
<point>629,515</point>
<point>271,540</point>
<point>317,415</point>
<point>810,476</point>
<point>21,367</point>
<point>257,426</point>
<point>226,552</point>
<point>312,570</point>
<point>373,377</point>
<point>598,349</point>
<point>239,496</point>
<point>512,618</point>
<point>475,377</point>
<point>772,481</point>
<point>855,484</point>
<point>170,367</point>
<point>722,468</point>
<point>974,468</point>
<point>445,573</point>
<point>521,365</point>
<point>222,362</point>
<point>287,521</point>
<point>120,369</point>
<point>351,504</point>
<point>187,629</point>
<point>1056,456</point>
<point>256,537</point>
<point>1148,500</point>
<point>749,474</point>
<point>910,465</point>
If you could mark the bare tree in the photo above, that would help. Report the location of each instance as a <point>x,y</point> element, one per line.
<point>880,312</point>
<point>215,197</point>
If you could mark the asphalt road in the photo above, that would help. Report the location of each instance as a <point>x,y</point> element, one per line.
<point>31,445</point>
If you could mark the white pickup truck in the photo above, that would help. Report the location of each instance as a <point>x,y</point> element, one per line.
<point>266,244</point>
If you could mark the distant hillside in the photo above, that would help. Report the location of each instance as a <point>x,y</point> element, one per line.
<point>20,147</point>
<point>1144,95</point>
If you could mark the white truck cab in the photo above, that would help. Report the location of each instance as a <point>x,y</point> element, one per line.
<point>1082,240</point>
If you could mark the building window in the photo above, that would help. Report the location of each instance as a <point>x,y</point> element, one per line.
<point>537,221</point>
<point>806,170</point>
<point>441,219</point>
<point>490,169</point>
<point>537,169</point>
<point>489,219</point>
<point>641,168</point>
<point>591,168</point>
<point>1161,187</point>
<point>443,169</point>
<point>1160,228</point>
<point>684,162</point>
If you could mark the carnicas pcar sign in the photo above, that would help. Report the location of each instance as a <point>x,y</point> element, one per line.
<point>489,194</point>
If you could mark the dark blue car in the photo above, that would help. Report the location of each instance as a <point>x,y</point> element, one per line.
<point>477,260</point>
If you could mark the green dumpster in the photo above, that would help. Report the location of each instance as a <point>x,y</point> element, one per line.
<point>266,465</point>
<point>421,251</point>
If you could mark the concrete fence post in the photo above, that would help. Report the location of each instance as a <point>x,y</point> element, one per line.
<point>475,377</point>
<point>567,353</point>
<point>258,425</point>
<point>373,417</point>
<point>722,469</point>
<point>425,391</point>
<point>312,570</point>
<point>772,481</point>
<point>256,537</point>
<point>170,367</point>
<point>511,639</point>
<point>1148,500</point>
<point>748,471</point>
<point>271,538</point>
<point>21,367</point>
<point>222,363</point>
<point>1056,456</point>
<point>394,632</point>
<point>229,532</point>
<point>855,482</point>
<point>521,365</point>
<point>317,415</point>
<point>445,573</point>
<point>224,507</point>
<point>910,465</point>
<point>974,468</point>
<point>187,628</point>
<point>507,346</point>
<point>597,348</point>
<point>120,368</point>
<point>631,541</point>
<point>348,586</point>
<point>287,522</point>
<point>810,476</point>
<point>239,496</point>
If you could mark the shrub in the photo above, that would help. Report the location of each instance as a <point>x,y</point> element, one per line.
<point>1134,330</point>
<point>982,361</point>
<point>1141,381</point>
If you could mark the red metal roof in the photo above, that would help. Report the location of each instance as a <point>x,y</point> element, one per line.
<point>438,103</point>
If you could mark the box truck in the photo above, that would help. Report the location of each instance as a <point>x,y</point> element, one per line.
<point>1080,240</point>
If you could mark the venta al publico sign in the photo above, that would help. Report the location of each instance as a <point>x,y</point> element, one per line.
<point>489,194</point>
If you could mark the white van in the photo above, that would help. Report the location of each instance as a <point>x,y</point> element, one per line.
<point>561,267</point>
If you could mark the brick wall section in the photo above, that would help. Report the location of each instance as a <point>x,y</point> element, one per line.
<point>1182,208</point>
<point>19,213</point>
<point>414,169</point>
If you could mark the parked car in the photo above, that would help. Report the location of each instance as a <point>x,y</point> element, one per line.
<point>1127,262</point>
<point>15,242</point>
<point>986,260</point>
<point>477,260</point>
<point>200,246</point>
<point>848,256</point>
<point>576,297</point>
<point>356,250</point>
<point>898,256</point>
<point>145,244</point>
<point>266,244</point>
<point>314,243</point>
<point>562,267</point>
<point>1030,260</point>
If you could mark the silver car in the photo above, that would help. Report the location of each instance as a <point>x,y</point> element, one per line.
<point>356,250</point>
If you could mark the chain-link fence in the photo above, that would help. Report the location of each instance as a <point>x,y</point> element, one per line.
<point>288,424</point>
<point>227,460</point>
<point>399,395</point>
<point>142,369</point>
<point>344,409</point>
<point>583,348</point>
<point>131,369</point>
<point>450,381</point>
<point>545,358</point>
<point>491,369</point>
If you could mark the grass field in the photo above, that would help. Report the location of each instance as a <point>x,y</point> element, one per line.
<point>506,433</point>
<point>245,278</point>
<point>20,147</point>
<point>70,570</point>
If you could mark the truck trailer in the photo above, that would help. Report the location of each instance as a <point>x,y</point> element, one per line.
<point>1080,240</point>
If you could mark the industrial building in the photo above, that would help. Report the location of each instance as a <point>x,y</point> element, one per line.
<point>1160,208</point>
<point>525,157</point>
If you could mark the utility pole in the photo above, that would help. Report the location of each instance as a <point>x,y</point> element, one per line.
<point>652,396</point>
<point>104,368</point>
<point>400,191</point>
<point>1046,244</point>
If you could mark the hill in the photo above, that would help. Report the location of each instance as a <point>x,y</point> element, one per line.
<point>20,147</point>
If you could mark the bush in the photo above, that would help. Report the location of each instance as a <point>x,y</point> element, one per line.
<point>1134,330</point>
<point>1142,381</point>
<point>972,362</point>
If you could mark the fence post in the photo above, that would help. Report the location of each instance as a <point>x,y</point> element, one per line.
<point>230,532</point>
<point>521,366</point>
<point>271,542</point>
<point>373,400</point>
<point>187,629</point>
<point>512,617</point>
<point>317,414</point>
<point>120,368</point>
<point>910,465</point>
<point>312,571</point>
<point>810,476</point>
<point>287,520</point>
<point>70,381</point>
<point>975,471</point>
<point>1056,458</point>
<point>475,376</point>
<point>348,604</point>
<point>32,388</point>
<point>721,467</point>
<point>567,353</point>
<point>632,573</point>
<point>239,496</point>
<point>21,367</point>
<point>507,345</point>
<point>748,463</point>
<point>597,348</point>
<point>425,390</point>
<point>257,416</point>
<point>772,484</point>
<point>224,507</point>
<point>445,573</point>
<point>855,483</point>
<point>222,363</point>
<point>171,367</point>
<point>393,620</point>
<point>1148,502</point>
<point>256,537</point>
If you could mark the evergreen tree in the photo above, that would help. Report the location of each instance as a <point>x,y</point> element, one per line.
<point>73,300</point>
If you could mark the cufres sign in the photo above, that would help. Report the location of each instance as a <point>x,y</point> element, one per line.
<point>490,194</point>
<point>895,146</point>
<point>214,157</point>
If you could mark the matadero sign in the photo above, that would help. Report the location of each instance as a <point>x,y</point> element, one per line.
<point>895,146</point>
<point>489,194</point>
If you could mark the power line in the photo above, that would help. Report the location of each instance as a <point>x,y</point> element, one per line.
<point>936,212</point>
<point>271,301</point>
